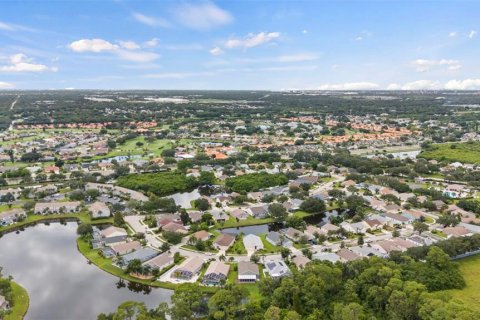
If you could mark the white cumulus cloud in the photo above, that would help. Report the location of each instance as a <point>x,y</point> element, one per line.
<point>21,63</point>
<point>467,84</point>
<point>422,85</point>
<point>349,86</point>
<point>252,40</point>
<point>423,65</point>
<point>129,45</point>
<point>452,34</point>
<point>6,85</point>
<point>202,16</point>
<point>127,50</point>
<point>216,51</point>
<point>92,45</point>
<point>472,34</point>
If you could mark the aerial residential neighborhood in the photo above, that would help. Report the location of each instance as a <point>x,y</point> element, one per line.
<point>239,160</point>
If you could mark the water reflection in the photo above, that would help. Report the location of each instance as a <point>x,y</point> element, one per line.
<point>61,284</point>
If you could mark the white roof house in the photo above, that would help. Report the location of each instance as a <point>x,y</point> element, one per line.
<point>252,242</point>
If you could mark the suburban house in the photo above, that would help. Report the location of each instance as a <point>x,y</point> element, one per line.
<point>347,255</point>
<point>113,235</point>
<point>455,191</point>
<point>44,208</point>
<point>326,256</point>
<point>161,261</point>
<point>278,239</point>
<point>224,241</point>
<point>142,254</point>
<point>276,268</point>
<point>239,214</point>
<point>458,231</point>
<point>259,211</point>
<point>356,227</point>
<point>175,227</point>
<point>216,273</point>
<point>300,261</point>
<point>201,235</point>
<point>126,247</point>
<point>252,242</point>
<point>188,268</point>
<point>248,272</point>
<point>10,216</point>
<point>99,209</point>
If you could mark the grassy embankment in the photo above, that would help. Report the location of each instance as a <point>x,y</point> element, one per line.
<point>107,266</point>
<point>21,303</point>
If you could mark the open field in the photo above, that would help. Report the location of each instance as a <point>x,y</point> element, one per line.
<point>470,295</point>
<point>468,152</point>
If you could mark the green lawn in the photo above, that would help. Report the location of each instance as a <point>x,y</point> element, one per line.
<point>21,303</point>
<point>237,247</point>
<point>467,152</point>
<point>470,295</point>
<point>250,221</point>
<point>267,246</point>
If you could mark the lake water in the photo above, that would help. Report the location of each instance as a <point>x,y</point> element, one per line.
<point>257,230</point>
<point>61,284</point>
<point>184,199</point>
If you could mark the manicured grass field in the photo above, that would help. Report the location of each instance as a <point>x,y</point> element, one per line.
<point>468,152</point>
<point>21,303</point>
<point>470,295</point>
<point>250,221</point>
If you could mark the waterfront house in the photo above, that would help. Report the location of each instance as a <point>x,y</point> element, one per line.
<point>201,235</point>
<point>44,208</point>
<point>160,262</point>
<point>126,247</point>
<point>239,214</point>
<point>224,241</point>
<point>189,268</point>
<point>252,242</point>
<point>11,216</point>
<point>142,254</point>
<point>99,209</point>
<point>113,235</point>
<point>259,211</point>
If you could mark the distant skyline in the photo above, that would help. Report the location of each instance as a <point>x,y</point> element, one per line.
<point>271,45</point>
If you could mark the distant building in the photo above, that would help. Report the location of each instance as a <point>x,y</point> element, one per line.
<point>99,209</point>
<point>189,268</point>
<point>44,208</point>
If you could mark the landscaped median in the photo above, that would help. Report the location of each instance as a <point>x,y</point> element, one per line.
<point>21,302</point>
<point>107,266</point>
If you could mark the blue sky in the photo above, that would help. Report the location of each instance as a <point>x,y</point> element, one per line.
<point>239,44</point>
